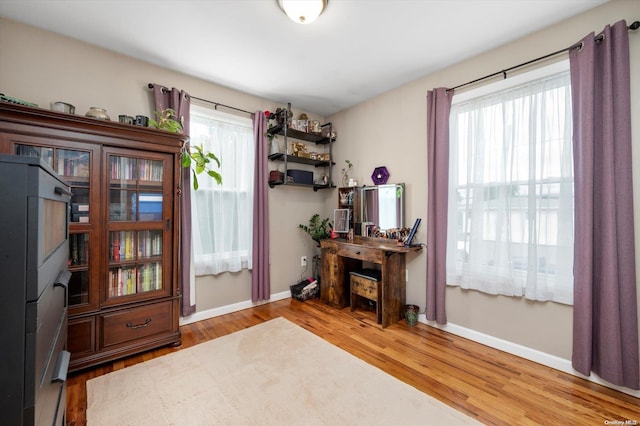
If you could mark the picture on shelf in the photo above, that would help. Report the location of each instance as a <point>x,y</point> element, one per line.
<point>341,220</point>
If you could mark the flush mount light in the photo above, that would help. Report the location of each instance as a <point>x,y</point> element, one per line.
<point>303,11</point>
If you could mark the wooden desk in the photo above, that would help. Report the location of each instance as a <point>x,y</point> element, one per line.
<point>339,257</point>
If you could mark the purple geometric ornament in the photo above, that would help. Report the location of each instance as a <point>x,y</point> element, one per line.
<point>380,175</point>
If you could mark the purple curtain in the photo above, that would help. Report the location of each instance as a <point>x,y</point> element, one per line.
<point>260,282</point>
<point>180,102</point>
<point>438,108</point>
<point>605,320</point>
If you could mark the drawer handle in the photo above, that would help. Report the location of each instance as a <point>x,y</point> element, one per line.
<point>62,191</point>
<point>63,281</point>
<point>357,252</point>
<point>61,368</point>
<point>146,323</point>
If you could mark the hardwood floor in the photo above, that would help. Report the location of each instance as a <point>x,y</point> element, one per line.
<point>494,387</point>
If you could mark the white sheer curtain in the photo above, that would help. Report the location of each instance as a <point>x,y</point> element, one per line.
<point>511,190</point>
<point>222,214</point>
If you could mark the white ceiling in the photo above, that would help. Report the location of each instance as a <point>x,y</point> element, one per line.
<point>357,49</point>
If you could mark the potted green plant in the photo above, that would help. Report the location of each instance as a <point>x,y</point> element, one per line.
<point>193,156</point>
<point>318,229</point>
<point>345,172</point>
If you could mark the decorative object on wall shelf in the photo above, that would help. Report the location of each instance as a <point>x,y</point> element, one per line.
<point>99,113</point>
<point>299,149</point>
<point>344,198</point>
<point>345,172</point>
<point>274,146</point>
<point>276,177</point>
<point>380,175</point>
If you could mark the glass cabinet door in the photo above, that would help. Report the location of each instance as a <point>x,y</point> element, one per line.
<point>138,218</point>
<point>74,167</point>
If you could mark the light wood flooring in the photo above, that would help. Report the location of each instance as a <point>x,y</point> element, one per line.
<point>494,387</point>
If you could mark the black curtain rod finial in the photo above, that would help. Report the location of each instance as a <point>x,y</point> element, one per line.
<point>634,25</point>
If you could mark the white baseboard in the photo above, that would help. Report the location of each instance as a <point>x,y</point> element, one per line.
<point>216,312</point>
<point>534,355</point>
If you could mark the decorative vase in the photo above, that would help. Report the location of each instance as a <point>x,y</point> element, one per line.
<point>274,147</point>
<point>345,180</point>
<point>411,314</point>
<point>99,113</point>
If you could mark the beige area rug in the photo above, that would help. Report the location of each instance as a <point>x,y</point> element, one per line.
<point>274,373</point>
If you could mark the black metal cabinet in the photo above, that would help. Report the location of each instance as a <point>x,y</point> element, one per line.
<point>34,277</point>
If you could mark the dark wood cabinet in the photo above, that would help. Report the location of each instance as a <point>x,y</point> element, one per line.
<point>123,294</point>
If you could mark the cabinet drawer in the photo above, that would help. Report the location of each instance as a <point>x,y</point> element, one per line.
<point>364,287</point>
<point>360,252</point>
<point>136,323</point>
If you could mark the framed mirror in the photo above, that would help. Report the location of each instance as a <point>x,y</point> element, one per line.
<point>341,221</point>
<point>383,205</point>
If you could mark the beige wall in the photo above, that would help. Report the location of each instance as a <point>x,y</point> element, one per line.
<point>390,130</point>
<point>40,67</point>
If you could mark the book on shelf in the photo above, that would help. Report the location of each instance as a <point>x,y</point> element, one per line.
<point>149,244</point>
<point>125,168</point>
<point>79,208</point>
<point>78,249</point>
<point>122,282</point>
<point>73,245</point>
<point>150,206</point>
<point>150,277</point>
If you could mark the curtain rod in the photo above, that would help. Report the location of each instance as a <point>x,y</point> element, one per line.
<point>634,26</point>
<point>216,104</point>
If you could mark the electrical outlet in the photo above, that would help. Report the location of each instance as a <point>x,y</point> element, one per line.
<point>303,261</point>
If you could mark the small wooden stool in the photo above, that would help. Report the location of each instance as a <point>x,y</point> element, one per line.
<point>368,287</point>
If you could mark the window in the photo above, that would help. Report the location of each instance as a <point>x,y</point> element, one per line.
<point>510,224</point>
<point>222,215</point>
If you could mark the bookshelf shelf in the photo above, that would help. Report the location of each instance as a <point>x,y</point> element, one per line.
<point>123,231</point>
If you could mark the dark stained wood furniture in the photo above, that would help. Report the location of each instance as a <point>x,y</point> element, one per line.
<point>123,295</point>
<point>340,257</point>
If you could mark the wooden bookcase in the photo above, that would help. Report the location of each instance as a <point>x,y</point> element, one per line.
<point>123,295</point>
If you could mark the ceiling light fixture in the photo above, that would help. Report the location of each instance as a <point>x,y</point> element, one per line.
<point>303,11</point>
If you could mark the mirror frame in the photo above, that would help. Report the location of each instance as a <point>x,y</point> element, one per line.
<point>362,196</point>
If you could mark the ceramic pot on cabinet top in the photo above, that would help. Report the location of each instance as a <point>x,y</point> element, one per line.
<point>99,113</point>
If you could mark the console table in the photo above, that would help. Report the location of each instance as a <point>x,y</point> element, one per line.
<point>340,256</point>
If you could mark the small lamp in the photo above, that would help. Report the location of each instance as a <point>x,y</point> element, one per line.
<point>303,11</point>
